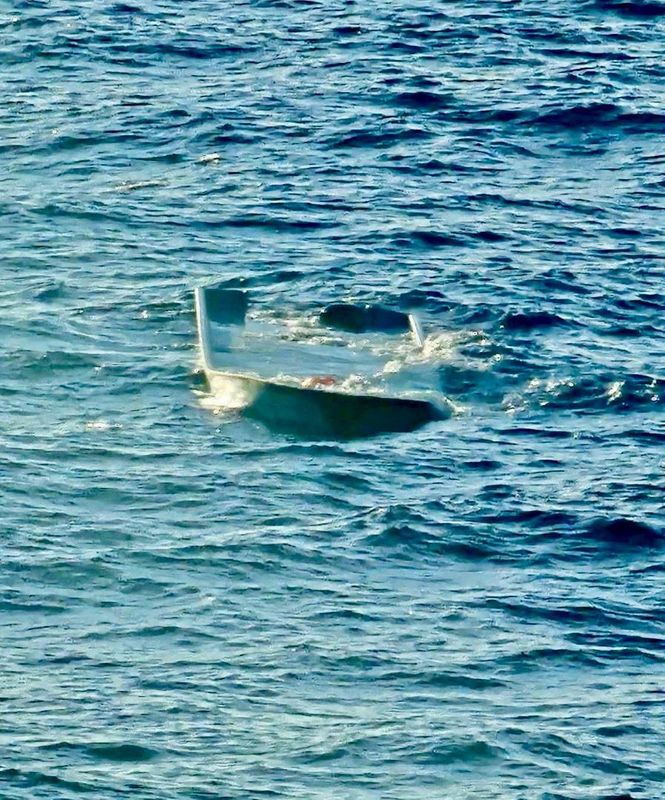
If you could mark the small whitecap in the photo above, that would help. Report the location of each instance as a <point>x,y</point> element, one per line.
<point>457,409</point>
<point>357,383</point>
<point>206,601</point>
<point>209,158</point>
<point>614,391</point>
<point>99,425</point>
<point>439,346</point>
<point>130,186</point>
<point>392,366</point>
<point>514,404</point>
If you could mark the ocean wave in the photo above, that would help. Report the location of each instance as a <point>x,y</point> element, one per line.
<point>649,9</point>
<point>600,392</point>
<point>601,116</point>
<point>624,532</point>
<point>107,751</point>
<point>423,100</point>
<point>378,138</point>
<point>33,779</point>
<point>532,320</point>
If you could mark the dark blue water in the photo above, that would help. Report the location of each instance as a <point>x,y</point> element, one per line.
<point>195,607</point>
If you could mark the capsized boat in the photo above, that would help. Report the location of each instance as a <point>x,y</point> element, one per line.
<point>258,366</point>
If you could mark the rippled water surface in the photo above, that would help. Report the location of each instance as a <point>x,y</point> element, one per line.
<point>193,606</point>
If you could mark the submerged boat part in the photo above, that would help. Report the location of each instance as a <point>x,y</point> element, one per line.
<point>319,412</point>
<point>252,367</point>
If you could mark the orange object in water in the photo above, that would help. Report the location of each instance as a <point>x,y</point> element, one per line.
<point>314,381</point>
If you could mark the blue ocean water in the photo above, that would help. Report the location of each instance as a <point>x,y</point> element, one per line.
<point>193,606</point>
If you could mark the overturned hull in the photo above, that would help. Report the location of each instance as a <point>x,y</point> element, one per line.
<point>287,405</point>
<point>319,412</point>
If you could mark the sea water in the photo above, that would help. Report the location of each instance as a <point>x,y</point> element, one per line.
<point>194,607</point>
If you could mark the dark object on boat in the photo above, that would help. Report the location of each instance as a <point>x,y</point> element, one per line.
<point>296,404</point>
